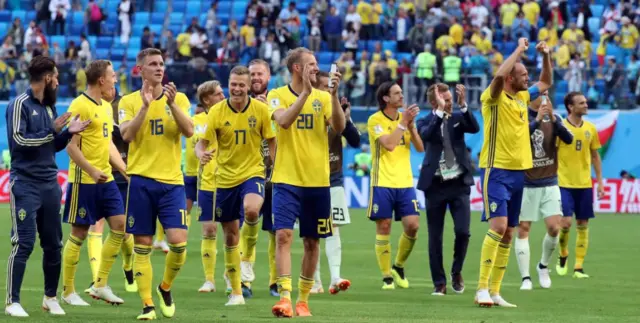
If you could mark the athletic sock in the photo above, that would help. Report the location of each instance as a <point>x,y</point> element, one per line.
<point>110,251</point>
<point>284,287</point>
<point>500,267</point>
<point>549,244</point>
<point>304,287</point>
<point>126,249</point>
<point>523,256</point>
<point>405,246</point>
<point>249,236</point>
<point>208,253</point>
<point>564,242</point>
<point>94,248</point>
<point>70,259</point>
<point>582,244</point>
<point>383,254</point>
<point>173,262</point>
<point>488,257</point>
<point>273,270</point>
<point>143,272</point>
<point>333,249</point>
<point>232,265</point>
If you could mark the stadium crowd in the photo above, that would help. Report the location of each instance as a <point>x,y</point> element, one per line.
<point>595,45</point>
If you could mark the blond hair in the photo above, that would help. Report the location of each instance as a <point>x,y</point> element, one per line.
<point>95,70</point>
<point>206,88</point>
<point>294,56</point>
<point>143,54</point>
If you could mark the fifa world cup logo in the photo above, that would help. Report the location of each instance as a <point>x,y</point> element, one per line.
<point>538,138</point>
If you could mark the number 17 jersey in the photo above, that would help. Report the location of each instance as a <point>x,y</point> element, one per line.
<point>156,151</point>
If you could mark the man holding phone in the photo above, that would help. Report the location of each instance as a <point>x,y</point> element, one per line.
<point>541,195</point>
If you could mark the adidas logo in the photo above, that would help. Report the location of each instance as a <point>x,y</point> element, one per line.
<point>138,274</point>
<point>488,262</point>
<point>206,255</point>
<point>99,280</point>
<point>93,259</point>
<point>385,252</point>
<point>96,115</point>
<point>232,270</point>
<point>227,124</point>
<point>581,246</point>
<point>176,269</point>
<point>521,253</point>
<point>35,113</point>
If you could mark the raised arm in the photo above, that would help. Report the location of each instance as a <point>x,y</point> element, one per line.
<point>178,103</point>
<point>283,116</point>
<point>337,119</point>
<point>497,84</point>
<point>131,124</point>
<point>561,131</point>
<point>546,76</point>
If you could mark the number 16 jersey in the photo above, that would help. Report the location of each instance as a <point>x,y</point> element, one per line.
<point>156,151</point>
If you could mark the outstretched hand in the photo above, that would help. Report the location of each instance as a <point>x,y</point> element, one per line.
<point>461,93</point>
<point>306,79</point>
<point>146,92</point>
<point>207,156</point>
<point>77,126</point>
<point>61,121</point>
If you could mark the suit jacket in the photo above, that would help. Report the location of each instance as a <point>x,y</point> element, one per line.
<point>429,130</point>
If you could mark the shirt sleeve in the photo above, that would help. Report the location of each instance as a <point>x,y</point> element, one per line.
<point>267,129</point>
<point>183,103</point>
<point>534,92</point>
<point>76,108</point>
<point>376,128</point>
<point>126,110</point>
<point>486,99</point>
<point>595,143</point>
<point>327,107</point>
<point>210,131</point>
<point>275,102</point>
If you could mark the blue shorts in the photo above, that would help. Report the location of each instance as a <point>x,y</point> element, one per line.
<point>150,200</point>
<point>310,205</point>
<point>578,201</point>
<point>267,218</point>
<point>502,194</point>
<point>206,204</point>
<point>396,203</point>
<point>230,201</point>
<point>191,187</point>
<point>123,188</point>
<point>86,204</point>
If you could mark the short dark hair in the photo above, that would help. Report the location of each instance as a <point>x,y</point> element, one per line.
<point>383,90</point>
<point>323,74</point>
<point>143,54</point>
<point>39,67</point>
<point>568,99</point>
<point>95,70</point>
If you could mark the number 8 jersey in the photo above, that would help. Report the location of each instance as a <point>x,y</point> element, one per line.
<point>574,160</point>
<point>156,151</point>
<point>302,157</point>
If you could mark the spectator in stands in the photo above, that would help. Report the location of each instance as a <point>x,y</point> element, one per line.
<point>508,12</point>
<point>582,18</point>
<point>563,55</point>
<point>284,37</point>
<point>58,55</point>
<point>291,20</point>
<point>531,10</point>
<point>146,41</point>
<point>613,80</point>
<point>496,59</point>
<point>350,38</point>
<point>194,26</point>
<point>270,51</point>
<point>453,10</point>
<point>212,21</point>
<point>452,67</point>
<point>333,29</point>
<point>611,16</point>
<point>404,68</point>
<point>549,34</point>
<point>199,43</point>
<point>583,47</point>
<point>627,38</point>
<point>169,45</point>
<point>8,50</point>
<point>483,43</point>
<point>95,16</point>
<point>556,16</point>
<point>593,96</point>
<point>425,66</point>
<point>17,32</point>
<point>125,12</point>
<point>43,16</point>
<point>478,65</point>
<point>633,71</point>
<point>353,16</point>
<point>81,78</point>
<point>248,41</point>
<point>22,76</point>
<point>520,27</point>
<point>71,53</point>
<point>365,11</point>
<point>184,46</point>
<point>456,31</point>
<point>59,10</point>
<point>575,74</point>
<point>85,49</point>
<point>417,37</point>
<point>479,14</point>
<point>264,31</point>
<point>390,14</point>
<point>255,12</point>
<point>321,7</point>
<point>403,25</point>
<point>442,28</point>
<point>601,51</point>
<point>314,29</point>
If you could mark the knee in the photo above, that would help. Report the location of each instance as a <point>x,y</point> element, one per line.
<point>499,227</point>
<point>311,244</point>
<point>283,237</point>
<point>507,236</point>
<point>523,230</point>
<point>462,234</point>
<point>26,245</point>
<point>209,230</point>
<point>553,230</point>
<point>251,212</point>
<point>143,240</point>
<point>176,235</point>
<point>383,226</point>
<point>411,229</point>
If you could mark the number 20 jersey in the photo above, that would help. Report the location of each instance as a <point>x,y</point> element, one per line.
<point>156,151</point>
<point>302,157</point>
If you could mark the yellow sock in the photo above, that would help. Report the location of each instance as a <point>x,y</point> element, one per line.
<point>249,236</point>
<point>563,241</point>
<point>383,254</point>
<point>173,263</point>
<point>304,286</point>
<point>143,272</point>
<point>159,232</point>
<point>488,257</point>
<point>94,247</point>
<point>208,252</point>
<point>127,253</point>
<point>499,268</point>
<point>582,244</point>
<point>232,264</point>
<point>284,287</point>
<point>273,270</point>
<point>110,251</point>
<point>70,259</point>
<point>405,245</point>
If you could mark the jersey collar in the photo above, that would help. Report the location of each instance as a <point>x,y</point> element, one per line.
<point>90,99</point>
<point>292,91</point>
<point>234,110</point>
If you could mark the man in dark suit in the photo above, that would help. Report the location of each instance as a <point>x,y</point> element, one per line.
<point>445,179</point>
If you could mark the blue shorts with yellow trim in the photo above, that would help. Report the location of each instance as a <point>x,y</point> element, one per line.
<point>396,203</point>
<point>267,218</point>
<point>502,194</point>
<point>230,201</point>
<point>310,205</point>
<point>191,187</point>
<point>86,204</point>
<point>578,201</point>
<point>206,205</point>
<point>149,200</point>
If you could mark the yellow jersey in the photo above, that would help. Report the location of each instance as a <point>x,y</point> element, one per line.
<point>365,11</point>
<point>574,160</point>
<point>191,160</point>
<point>239,137</point>
<point>95,141</point>
<point>389,168</point>
<point>303,149</point>
<point>156,151</point>
<point>206,173</point>
<point>506,130</point>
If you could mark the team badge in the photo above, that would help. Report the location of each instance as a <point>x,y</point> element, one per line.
<point>587,135</point>
<point>218,212</point>
<point>317,105</point>
<point>275,102</point>
<point>168,110</point>
<point>252,122</point>
<point>22,214</point>
<point>82,213</point>
<point>493,206</point>
<point>200,129</point>
<point>121,114</point>
<point>377,129</point>
<point>131,221</point>
<point>50,112</point>
<point>375,208</point>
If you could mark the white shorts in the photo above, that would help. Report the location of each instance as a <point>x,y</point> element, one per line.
<point>339,209</point>
<point>540,203</point>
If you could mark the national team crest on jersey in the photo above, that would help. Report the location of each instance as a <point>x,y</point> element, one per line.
<point>493,206</point>
<point>587,135</point>
<point>121,114</point>
<point>218,212</point>
<point>22,214</point>
<point>50,112</point>
<point>375,208</point>
<point>275,102</point>
<point>317,106</point>
<point>131,221</point>
<point>200,129</point>
<point>82,213</point>
<point>252,122</point>
<point>168,110</point>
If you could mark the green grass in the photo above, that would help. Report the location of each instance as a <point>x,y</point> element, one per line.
<point>611,295</point>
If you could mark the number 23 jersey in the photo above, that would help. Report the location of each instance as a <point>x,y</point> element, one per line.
<point>156,151</point>
<point>302,158</point>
